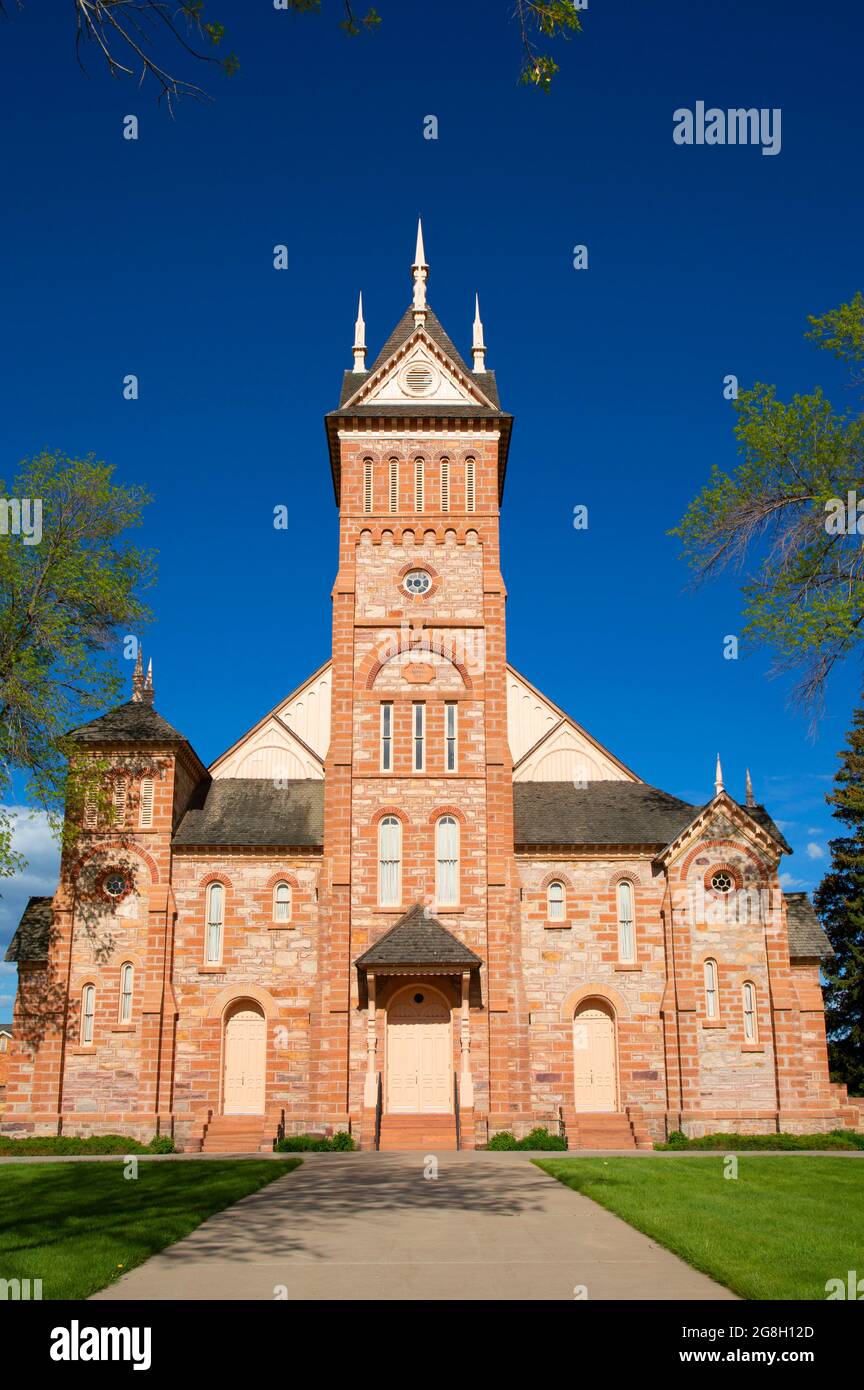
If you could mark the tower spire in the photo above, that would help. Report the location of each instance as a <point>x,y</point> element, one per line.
<point>138,678</point>
<point>718,777</point>
<point>479,348</point>
<point>420,271</point>
<point>750,799</point>
<point>360,339</point>
<point>147,693</point>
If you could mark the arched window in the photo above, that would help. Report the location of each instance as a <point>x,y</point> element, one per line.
<point>367,485</point>
<point>712,997</point>
<point>4,1042</point>
<point>393,492</point>
<point>126,977</point>
<point>419,485</point>
<point>626,926</point>
<point>389,861</point>
<point>118,802</point>
<point>555,902</point>
<point>282,902</point>
<point>445,485</point>
<point>215,922</point>
<point>447,861</point>
<point>751,1022</point>
<point>145,819</point>
<point>88,1013</point>
<point>470,488</point>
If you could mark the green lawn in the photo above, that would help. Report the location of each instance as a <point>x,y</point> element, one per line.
<point>780,1230</point>
<point>79,1226</point>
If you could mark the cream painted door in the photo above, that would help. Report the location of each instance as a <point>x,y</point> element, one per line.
<point>419,1061</point>
<point>245,1060</point>
<point>594,1061</point>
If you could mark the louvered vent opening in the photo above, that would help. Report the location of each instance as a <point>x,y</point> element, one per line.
<point>445,485</point>
<point>470,495</point>
<point>394,485</point>
<point>418,379</point>
<point>418,485</point>
<point>367,485</point>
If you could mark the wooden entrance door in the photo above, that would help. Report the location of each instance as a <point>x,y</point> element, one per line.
<point>419,1057</point>
<point>594,1061</point>
<point>245,1061</point>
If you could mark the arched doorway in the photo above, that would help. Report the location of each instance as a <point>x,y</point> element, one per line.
<point>245,1053</point>
<point>594,1057</point>
<point>419,1053</point>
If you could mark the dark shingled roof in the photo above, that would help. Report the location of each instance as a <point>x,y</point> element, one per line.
<point>401,333</point>
<point>134,722</point>
<point>30,941</point>
<point>6,1028</point>
<point>417,939</point>
<point>607,813</point>
<point>253,811</point>
<point>806,935</point>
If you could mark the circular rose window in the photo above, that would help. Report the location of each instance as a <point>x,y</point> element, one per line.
<point>417,582</point>
<point>114,885</point>
<point>722,882</point>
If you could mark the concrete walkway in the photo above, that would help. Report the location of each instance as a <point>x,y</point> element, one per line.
<point>374,1226</point>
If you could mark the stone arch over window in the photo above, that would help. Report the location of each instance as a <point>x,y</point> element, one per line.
<point>720,849</point>
<point>605,993</point>
<point>234,993</point>
<point>430,642</point>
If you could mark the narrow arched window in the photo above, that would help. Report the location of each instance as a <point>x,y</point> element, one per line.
<point>88,1013</point>
<point>626,925</point>
<point>389,861</point>
<point>4,1042</point>
<point>282,902</point>
<point>419,485</point>
<point>215,922</point>
<point>367,485</point>
<point>393,492</point>
<point>447,861</point>
<point>445,485</point>
<point>126,978</point>
<point>470,486</point>
<point>555,904</point>
<point>712,997</point>
<point>145,819</point>
<point>751,1023</point>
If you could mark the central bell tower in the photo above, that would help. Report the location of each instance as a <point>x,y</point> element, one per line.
<point>418,783</point>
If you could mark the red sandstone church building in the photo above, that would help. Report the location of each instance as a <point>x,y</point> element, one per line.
<point>417,900</point>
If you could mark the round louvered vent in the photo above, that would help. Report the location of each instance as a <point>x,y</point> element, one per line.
<point>418,379</point>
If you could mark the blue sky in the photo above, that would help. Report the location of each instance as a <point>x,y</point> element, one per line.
<point>154,257</point>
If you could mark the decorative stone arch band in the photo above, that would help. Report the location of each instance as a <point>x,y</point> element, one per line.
<point>234,994</point>
<point>606,993</point>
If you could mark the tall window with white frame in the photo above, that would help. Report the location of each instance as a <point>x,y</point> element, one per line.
<point>126,977</point>
<point>215,923</point>
<point>389,861</point>
<point>626,926</point>
<point>445,485</point>
<point>282,902</point>
<point>751,1022</point>
<point>712,996</point>
<point>555,901</point>
<point>451,729</point>
<point>367,485</point>
<point>145,809</point>
<point>418,718</point>
<point>386,736</point>
<point>88,1014</point>
<point>447,861</point>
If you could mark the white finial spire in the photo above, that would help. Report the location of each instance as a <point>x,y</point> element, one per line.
<point>479,348</point>
<point>750,799</point>
<point>147,693</point>
<point>421,274</point>
<point>360,339</point>
<point>138,677</point>
<point>718,778</point>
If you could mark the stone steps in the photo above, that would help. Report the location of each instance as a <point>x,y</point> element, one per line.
<point>407,1132</point>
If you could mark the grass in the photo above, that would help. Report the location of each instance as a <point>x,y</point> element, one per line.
<point>79,1226</point>
<point>779,1231</point>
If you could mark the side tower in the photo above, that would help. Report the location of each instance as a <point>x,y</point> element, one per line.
<point>419,1009</point>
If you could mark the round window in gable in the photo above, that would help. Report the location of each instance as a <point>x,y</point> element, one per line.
<point>417,583</point>
<point>115,884</point>
<point>722,882</point>
<point>418,379</point>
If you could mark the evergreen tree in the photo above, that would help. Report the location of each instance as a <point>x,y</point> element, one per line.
<point>839,901</point>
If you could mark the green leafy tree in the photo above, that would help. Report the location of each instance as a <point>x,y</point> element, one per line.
<point>784,518</point>
<point>70,584</point>
<point>839,900</point>
<point>145,38</point>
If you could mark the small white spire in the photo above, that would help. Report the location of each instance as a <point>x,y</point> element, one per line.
<point>360,339</point>
<point>750,799</point>
<point>147,694</point>
<point>718,778</point>
<point>420,271</point>
<point>138,677</point>
<point>479,348</point>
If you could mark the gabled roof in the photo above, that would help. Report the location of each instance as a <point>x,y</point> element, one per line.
<point>136,721</point>
<point>751,820</point>
<point>806,934</point>
<point>405,328</point>
<point>7,1028</point>
<point>255,811</point>
<point>418,939</point>
<point>32,935</point>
